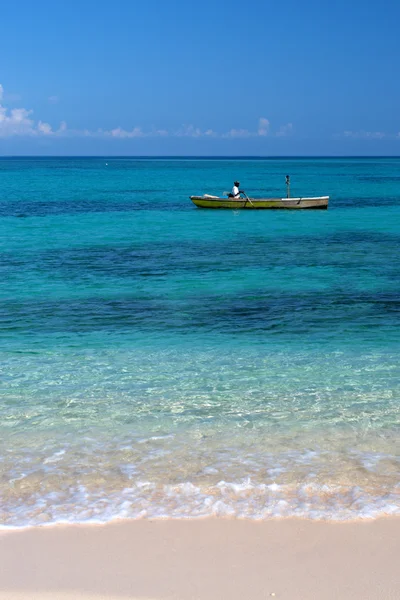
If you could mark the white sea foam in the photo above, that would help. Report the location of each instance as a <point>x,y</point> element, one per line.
<point>242,499</point>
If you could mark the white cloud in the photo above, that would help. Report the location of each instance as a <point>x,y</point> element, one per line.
<point>285,130</point>
<point>364,135</point>
<point>137,132</point>
<point>161,132</point>
<point>263,126</point>
<point>15,122</point>
<point>374,135</point>
<point>44,128</point>
<point>188,131</point>
<point>18,121</point>
<point>122,133</point>
<point>238,133</point>
<point>262,130</point>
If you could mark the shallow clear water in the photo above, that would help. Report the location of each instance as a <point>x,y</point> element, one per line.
<point>161,360</point>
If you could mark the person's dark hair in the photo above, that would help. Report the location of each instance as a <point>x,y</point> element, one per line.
<point>237,183</point>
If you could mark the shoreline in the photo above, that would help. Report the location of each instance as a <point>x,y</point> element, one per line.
<point>210,558</point>
<point>117,521</point>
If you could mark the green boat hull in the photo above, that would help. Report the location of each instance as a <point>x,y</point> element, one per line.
<point>261,203</point>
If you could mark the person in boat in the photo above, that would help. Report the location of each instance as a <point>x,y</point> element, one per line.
<point>235,191</point>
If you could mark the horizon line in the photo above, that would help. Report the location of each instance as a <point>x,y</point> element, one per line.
<point>199,156</point>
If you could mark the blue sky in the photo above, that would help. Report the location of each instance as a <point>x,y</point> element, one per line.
<point>174,77</point>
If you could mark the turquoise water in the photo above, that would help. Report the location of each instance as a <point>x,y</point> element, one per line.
<point>160,360</point>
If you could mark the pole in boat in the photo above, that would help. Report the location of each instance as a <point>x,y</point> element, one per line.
<point>287,186</point>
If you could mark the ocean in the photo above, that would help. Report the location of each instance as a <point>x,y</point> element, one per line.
<point>164,361</point>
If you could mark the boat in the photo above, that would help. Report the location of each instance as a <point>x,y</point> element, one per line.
<point>243,201</point>
<point>206,201</point>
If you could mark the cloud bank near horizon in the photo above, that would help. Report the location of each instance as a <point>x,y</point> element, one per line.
<point>19,122</point>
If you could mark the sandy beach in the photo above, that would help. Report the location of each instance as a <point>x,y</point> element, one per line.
<point>203,559</point>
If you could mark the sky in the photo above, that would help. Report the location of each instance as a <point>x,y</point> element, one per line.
<point>216,77</point>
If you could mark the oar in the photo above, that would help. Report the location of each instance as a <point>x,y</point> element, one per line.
<point>245,195</point>
<point>247,199</point>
